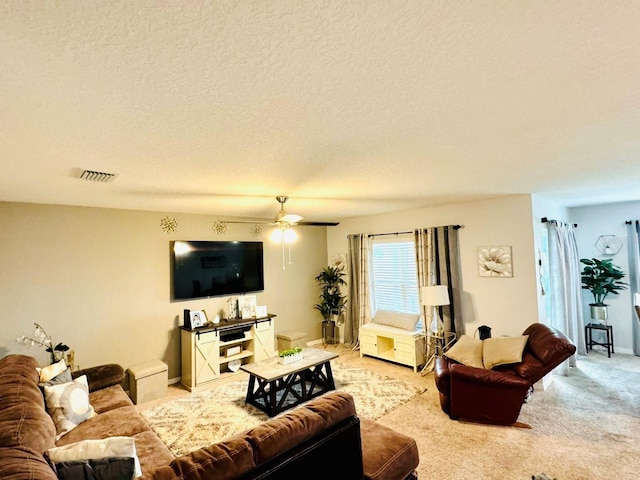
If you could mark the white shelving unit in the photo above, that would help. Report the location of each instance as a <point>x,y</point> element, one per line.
<point>392,344</point>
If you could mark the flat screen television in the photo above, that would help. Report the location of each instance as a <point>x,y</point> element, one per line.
<point>209,269</point>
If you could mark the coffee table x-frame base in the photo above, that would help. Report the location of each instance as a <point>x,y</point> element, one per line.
<point>274,388</point>
<point>279,394</point>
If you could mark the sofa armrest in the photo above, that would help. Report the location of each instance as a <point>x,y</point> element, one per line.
<point>102,376</point>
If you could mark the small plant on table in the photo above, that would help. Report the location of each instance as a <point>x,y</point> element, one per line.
<point>290,355</point>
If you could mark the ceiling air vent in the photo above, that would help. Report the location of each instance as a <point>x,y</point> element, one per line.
<point>93,176</point>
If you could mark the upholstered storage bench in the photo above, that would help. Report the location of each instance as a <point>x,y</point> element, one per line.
<point>288,340</point>
<point>393,336</point>
<point>148,381</point>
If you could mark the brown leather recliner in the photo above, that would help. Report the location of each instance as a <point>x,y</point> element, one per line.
<point>496,396</point>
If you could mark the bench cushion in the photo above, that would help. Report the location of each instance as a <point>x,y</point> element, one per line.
<point>386,454</point>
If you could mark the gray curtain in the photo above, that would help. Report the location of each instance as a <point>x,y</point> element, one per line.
<point>359,311</point>
<point>633,234</point>
<point>565,286</point>
<point>438,262</point>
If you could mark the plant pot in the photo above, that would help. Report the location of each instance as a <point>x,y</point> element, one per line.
<point>599,312</point>
<point>291,358</point>
<point>329,332</point>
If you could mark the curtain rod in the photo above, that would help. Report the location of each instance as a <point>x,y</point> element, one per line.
<point>629,222</point>
<point>546,220</point>
<point>455,227</point>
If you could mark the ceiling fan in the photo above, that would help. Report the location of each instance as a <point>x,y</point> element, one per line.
<point>284,220</point>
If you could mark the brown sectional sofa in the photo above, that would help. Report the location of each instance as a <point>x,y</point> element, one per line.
<point>322,438</point>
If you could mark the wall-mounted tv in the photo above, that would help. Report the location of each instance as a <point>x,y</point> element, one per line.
<point>209,269</point>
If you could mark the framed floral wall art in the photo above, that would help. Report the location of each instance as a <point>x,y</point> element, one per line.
<point>495,262</point>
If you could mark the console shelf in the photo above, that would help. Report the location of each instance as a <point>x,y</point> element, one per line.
<point>204,359</point>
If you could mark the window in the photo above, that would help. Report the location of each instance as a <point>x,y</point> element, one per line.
<point>393,275</point>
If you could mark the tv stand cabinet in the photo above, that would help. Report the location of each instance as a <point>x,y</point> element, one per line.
<point>207,351</point>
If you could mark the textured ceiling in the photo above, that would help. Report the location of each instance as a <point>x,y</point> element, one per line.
<point>349,107</point>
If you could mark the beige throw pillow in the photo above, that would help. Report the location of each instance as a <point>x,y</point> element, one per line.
<point>404,321</point>
<point>467,351</point>
<point>68,404</point>
<point>51,371</point>
<point>503,350</point>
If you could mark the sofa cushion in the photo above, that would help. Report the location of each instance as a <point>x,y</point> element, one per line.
<point>468,351</point>
<point>229,460</point>
<point>386,454</point>
<point>68,404</point>
<point>123,421</point>
<point>26,425</point>
<point>404,321</point>
<point>152,452</point>
<point>23,463</point>
<point>109,398</point>
<point>18,381</point>
<point>503,350</point>
<point>294,427</point>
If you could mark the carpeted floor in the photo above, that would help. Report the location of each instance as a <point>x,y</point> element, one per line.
<point>583,426</point>
<point>194,421</point>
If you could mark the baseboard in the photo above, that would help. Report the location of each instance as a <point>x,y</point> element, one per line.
<point>173,381</point>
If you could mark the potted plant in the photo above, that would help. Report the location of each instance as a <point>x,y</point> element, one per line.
<point>601,278</point>
<point>332,302</point>
<point>290,355</point>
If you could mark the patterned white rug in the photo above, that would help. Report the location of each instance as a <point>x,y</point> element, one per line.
<point>200,419</point>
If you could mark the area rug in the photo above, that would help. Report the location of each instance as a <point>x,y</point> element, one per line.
<point>200,419</point>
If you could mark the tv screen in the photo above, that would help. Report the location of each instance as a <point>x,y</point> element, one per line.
<point>209,269</point>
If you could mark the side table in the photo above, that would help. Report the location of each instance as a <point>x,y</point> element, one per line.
<point>588,335</point>
<point>437,344</point>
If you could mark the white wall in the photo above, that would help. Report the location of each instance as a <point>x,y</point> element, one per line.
<point>99,281</point>
<point>508,305</point>
<point>594,221</point>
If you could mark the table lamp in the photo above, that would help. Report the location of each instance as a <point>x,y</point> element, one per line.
<point>435,296</point>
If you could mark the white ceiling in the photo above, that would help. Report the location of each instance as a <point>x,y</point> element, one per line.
<point>349,107</point>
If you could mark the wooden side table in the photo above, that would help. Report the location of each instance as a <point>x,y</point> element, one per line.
<point>588,335</point>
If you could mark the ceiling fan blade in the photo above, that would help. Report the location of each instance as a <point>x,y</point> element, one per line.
<point>290,218</point>
<point>319,224</point>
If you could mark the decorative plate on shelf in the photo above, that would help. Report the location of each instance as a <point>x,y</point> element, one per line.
<point>234,365</point>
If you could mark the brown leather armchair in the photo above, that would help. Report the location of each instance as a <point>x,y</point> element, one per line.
<point>496,396</point>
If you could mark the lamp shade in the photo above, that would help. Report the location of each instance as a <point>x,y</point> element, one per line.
<point>434,295</point>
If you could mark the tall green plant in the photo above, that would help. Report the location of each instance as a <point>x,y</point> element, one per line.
<point>332,302</point>
<point>601,278</point>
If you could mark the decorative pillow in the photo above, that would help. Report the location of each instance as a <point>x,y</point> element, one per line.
<point>68,404</point>
<point>123,447</point>
<point>503,350</point>
<point>64,377</point>
<point>53,370</point>
<point>100,469</point>
<point>467,351</point>
<point>405,321</point>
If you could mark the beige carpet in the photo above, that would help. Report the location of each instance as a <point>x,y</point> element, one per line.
<point>191,422</point>
<point>584,426</point>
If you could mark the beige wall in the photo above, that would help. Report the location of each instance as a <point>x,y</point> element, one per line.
<point>508,305</point>
<point>99,281</point>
